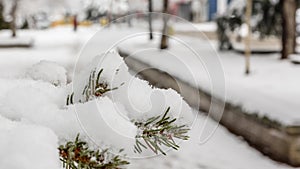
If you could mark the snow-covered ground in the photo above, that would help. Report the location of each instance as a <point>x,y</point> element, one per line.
<point>34,117</point>
<point>17,41</point>
<point>59,44</point>
<point>272,88</point>
<point>203,27</point>
<point>295,58</point>
<point>222,151</point>
<point>176,24</point>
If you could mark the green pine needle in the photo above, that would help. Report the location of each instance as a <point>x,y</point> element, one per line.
<point>158,131</point>
<point>93,88</point>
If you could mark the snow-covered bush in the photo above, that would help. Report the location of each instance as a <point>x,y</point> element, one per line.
<point>134,100</point>
<point>132,117</point>
<point>49,72</point>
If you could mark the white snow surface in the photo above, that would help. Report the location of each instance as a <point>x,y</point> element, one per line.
<point>105,121</point>
<point>60,45</point>
<point>8,41</point>
<point>201,27</point>
<point>48,71</point>
<point>295,58</point>
<point>27,146</point>
<point>34,117</point>
<point>271,89</point>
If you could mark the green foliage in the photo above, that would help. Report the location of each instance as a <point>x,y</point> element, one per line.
<point>77,155</point>
<point>94,88</point>
<point>158,131</point>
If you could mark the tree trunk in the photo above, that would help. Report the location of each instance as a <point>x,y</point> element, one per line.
<point>75,23</point>
<point>288,27</point>
<point>13,14</point>
<point>164,37</point>
<point>150,19</point>
<point>248,38</point>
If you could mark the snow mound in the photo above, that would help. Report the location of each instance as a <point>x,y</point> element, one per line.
<point>45,107</point>
<point>141,100</point>
<point>25,146</point>
<point>16,42</point>
<point>295,58</point>
<point>105,121</point>
<point>116,110</point>
<point>48,71</point>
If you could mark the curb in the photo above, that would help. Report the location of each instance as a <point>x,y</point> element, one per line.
<point>281,143</point>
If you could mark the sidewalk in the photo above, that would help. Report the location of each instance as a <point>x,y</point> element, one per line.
<point>272,88</point>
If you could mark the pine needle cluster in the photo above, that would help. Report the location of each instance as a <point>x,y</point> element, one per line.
<point>158,131</point>
<point>77,155</point>
<point>94,88</point>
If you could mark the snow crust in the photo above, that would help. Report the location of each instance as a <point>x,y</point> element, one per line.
<point>27,146</point>
<point>48,71</point>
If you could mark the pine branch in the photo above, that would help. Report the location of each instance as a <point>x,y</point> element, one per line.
<point>158,131</point>
<point>76,155</point>
<point>94,88</point>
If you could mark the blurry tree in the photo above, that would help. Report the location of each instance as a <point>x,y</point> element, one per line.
<point>75,23</point>
<point>288,27</point>
<point>73,7</point>
<point>150,9</point>
<point>248,38</point>
<point>267,14</point>
<point>265,19</point>
<point>3,23</point>
<point>269,17</point>
<point>13,15</point>
<point>18,12</point>
<point>164,37</point>
<point>10,12</point>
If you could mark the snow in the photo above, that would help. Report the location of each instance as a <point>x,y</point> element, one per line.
<point>295,58</point>
<point>60,45</point>
<point>11,42</point>
<point>177,24</point>
<point>49,72</point>
<point>221,151</point>
<point>202,27</point>
<point>39,103</point>
<point>105,125</point>
<point>135,100</point>
<point>27,146</point>
<point>271,89</point>
<point>105,121</point>
<point>138,97</point>
<point>34,112</point>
